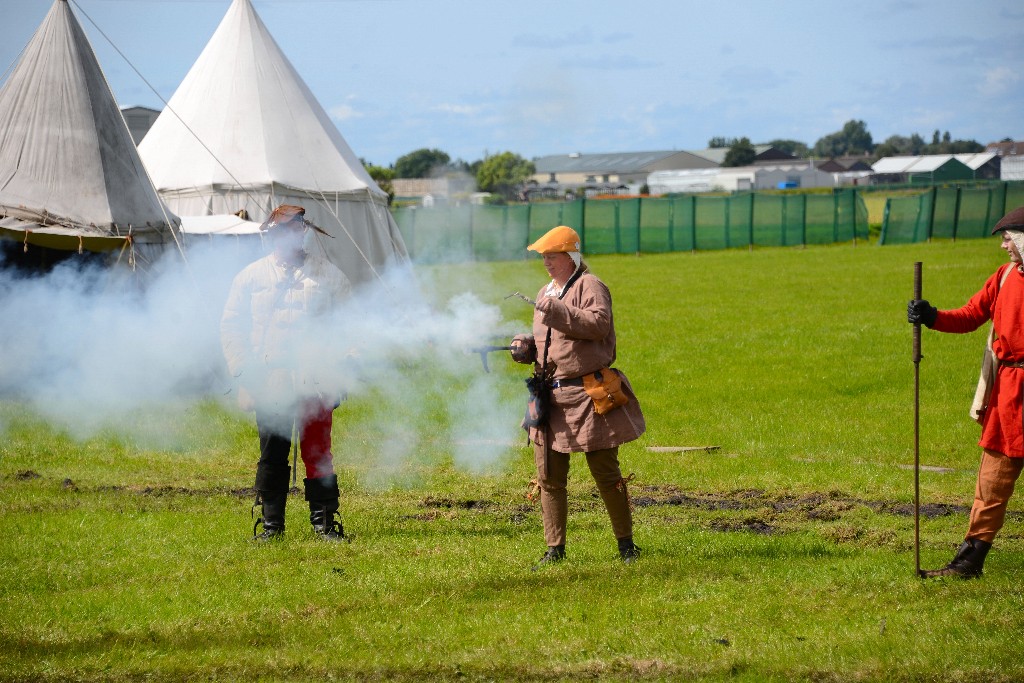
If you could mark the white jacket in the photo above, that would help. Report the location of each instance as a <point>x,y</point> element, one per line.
<point>275,321</point>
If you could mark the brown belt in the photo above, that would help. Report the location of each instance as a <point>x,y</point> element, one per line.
<point>1011,364</point>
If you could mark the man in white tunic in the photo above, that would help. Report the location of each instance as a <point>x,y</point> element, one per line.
<point>269,335</point>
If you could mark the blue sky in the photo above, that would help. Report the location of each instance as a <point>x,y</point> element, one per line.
<point>536,78</point>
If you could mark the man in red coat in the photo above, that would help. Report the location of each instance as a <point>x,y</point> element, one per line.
<point>1000,300</point>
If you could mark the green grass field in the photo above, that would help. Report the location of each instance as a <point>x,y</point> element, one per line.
<point>785,554</point>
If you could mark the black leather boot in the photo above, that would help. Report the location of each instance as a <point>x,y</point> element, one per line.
<point>629,552</point>
<point>271,496</point>
<point>967,563</point>
<point>323,496</point>
<point>272,506</point>
<point>555,553</point>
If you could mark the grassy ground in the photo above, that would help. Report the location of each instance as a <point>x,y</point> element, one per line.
<point>786,553</point>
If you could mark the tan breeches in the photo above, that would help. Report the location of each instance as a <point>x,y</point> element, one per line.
<point>553,476</point>
<point>997,476</point>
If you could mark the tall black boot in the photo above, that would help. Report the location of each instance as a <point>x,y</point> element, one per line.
<point>323,496</point>
<point>271,496</point>
<point>967,563</point>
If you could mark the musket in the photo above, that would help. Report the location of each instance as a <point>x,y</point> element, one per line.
<point>917,429</point>
<point>484,350</point>
<point>523,297</point>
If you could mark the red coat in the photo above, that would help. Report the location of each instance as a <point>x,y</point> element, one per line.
<point>1003,426</point>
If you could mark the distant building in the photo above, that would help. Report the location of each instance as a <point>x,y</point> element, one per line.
<point>843,164</point>
<point>740,178</point>
<point>1011,157</point>
<point>627,171</point>
<point>1012,168</point>
<point>139,120</point>
<point>846,170</point>
<point>608,170</point>
<point>763,154</point>
<point>923,170</point>
<point>433,190</point>
<point>986,165</point>
<point>1005,149</point>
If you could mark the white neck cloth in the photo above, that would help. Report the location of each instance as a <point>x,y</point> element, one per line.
<point>1018,240</point>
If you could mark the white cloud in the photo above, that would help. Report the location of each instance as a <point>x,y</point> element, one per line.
<point>998,81</point>
<point>460,109</point>
<point>538,41</point>
<point>344,112</point>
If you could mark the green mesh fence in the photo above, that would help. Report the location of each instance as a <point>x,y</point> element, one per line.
<point>949,212</point>
<point>634,225</point>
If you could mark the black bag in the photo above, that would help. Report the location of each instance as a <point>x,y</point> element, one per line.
<point>537,386</point>
<point>537,401</point>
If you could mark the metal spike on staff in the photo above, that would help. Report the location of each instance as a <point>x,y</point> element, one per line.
<point>917,431</point>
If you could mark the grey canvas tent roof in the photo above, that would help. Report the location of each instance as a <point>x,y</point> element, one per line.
<point>70,176</point>
<point>244,132</point>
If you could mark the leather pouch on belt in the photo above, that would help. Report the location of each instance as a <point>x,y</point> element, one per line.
<point>605,388</point>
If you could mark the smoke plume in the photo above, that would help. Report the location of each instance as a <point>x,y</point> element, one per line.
<point>91,351</point>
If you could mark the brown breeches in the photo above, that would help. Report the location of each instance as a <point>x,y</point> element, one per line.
<point>997,476</point>
<point>553,476</point>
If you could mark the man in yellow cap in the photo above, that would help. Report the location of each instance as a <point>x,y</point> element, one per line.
<point>269,335</point>
<point>592,408</point>
<point>1000,300</point>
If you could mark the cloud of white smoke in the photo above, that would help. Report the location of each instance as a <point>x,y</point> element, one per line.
<point>90,351</point>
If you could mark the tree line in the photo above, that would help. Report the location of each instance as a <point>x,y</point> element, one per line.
<point>504,173</point>
<point>501,174</point>
<point>854,139</point>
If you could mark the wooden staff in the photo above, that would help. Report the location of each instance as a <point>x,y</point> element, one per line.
<point>917,422</point>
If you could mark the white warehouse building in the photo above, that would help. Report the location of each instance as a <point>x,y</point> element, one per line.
<point>1012,168</point>
<point>739,178</point>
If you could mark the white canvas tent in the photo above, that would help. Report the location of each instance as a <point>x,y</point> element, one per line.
<point>70,176</point>
<point>244,132</point>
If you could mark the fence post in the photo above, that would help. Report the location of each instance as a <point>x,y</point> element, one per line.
<point>639,216</point>
<point>956,211</point>
<point>728,219</point>
<point>583,222</point>
<point>803,222</point>
<point>618,228</point>
<point>931,212</point>
<point>750,228</point>
<point>672,224</point>
<point>693,224</point>
<point>835,217</point>
<point>885,221</point>
<point>988,208</point>
<point>783,238</point>
<point>853,213</point>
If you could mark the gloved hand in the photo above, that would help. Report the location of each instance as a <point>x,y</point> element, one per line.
<point>920,312</point>
<point>523,348</point>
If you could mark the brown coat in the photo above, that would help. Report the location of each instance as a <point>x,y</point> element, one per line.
<point>582,341</point>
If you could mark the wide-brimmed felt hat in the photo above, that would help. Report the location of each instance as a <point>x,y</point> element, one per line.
<point>289,214</point>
